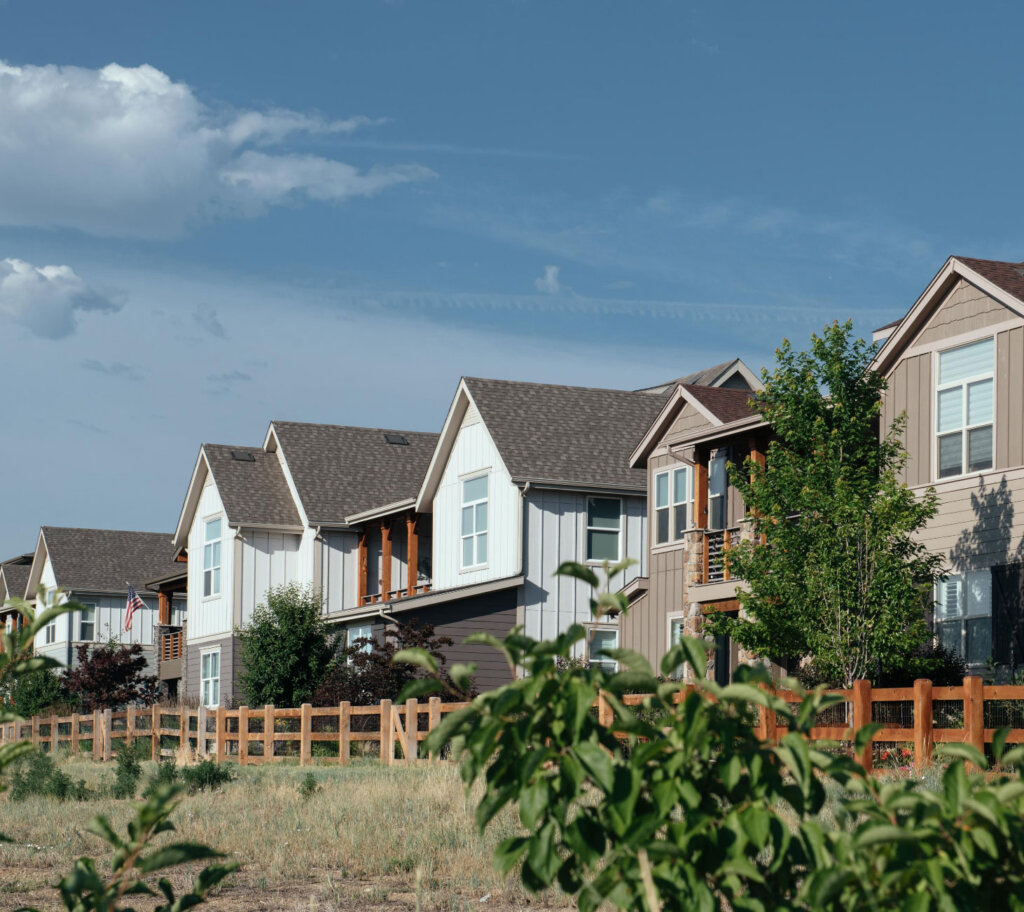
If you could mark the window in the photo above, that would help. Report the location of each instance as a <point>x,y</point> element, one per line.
<point>602,638</point>
<point>211,558</point>
<point>361,632</point>
<point>210,677</point>
<point>963,615</point>
<point>676,632</point>
<point>718,486</point>
<point>964,405</point>
<point>673,496</point>
<point>604,528</point>
<point>87,623</point>
<point>50,632</point>
<point>474,522</point>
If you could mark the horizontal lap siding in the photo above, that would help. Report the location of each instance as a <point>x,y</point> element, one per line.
<point>965,308</point>
<point>230,670</point>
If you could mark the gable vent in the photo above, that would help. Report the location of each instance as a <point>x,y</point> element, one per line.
<point>242,456</point>
<point>396,439</point>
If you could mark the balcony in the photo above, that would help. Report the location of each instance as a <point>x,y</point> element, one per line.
<point>395,594</point>
<point>171,644</point>
<point>714,581</point>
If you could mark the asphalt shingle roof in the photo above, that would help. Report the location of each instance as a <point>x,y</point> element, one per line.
<point>1009,276</point>
<point>566,434</point>
<point>340,471</point>
<point>254,492</point>
<point>16,573</point>
<point>725,404</point>
<point>704,377</point>
<point>106,560</point>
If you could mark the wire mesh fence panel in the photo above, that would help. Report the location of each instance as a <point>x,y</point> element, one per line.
<point>948,714</point>
<point>893,713</point>
<point>1004,713</point>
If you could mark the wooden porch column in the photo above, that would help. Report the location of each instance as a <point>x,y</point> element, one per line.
<point>164,602</point>
<point>385,559</point>
<point>363,571</point>
<point>700,480</point>
<point>757,455</point>
<point>412,554</point>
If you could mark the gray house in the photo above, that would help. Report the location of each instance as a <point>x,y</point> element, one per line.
<point>13,580</point>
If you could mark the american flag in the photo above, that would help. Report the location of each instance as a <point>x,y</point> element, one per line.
<point>134,604</point>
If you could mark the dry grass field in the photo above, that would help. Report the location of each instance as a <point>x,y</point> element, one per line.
<point>368,838</point>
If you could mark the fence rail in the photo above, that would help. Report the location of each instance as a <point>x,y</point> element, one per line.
<point>920,716</point>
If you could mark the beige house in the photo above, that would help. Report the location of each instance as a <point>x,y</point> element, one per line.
<point>955,367</point>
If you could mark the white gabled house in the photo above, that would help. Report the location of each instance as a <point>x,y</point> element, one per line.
<point>95,567</point>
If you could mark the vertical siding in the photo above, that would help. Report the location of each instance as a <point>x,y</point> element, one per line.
<point>208,617</point>
<point>1010,398</point>
<point>268,559</point>
<point>338,568</point>
<point>645,626</point>
<point>474,451</point>
<point>554,532</point>
<point>910,392</point>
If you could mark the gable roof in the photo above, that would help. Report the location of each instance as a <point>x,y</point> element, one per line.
<point>721,407</point>
<point>1000,280</point>
<point>711,376</point>
<point>254,492</point>
<point>339,471</point>
<point>103,560</point>
<point>15,573</point>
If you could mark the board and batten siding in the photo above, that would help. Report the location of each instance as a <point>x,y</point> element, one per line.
<point>555,530</point>
<point>474,453</point>
<point>645,625</point>
<point>208,617</point>
<point>269,559</point>
<point>338,568</point>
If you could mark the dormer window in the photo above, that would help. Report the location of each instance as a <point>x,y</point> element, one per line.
<point>965,398</point>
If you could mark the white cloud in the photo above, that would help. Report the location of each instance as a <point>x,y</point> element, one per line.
<point>47,299</point>
<point>126,151</point>
<point>548,283</point>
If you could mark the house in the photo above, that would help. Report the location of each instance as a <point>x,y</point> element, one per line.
<point>526,476</point>
<point>169,640</point>
<point>95,567</point>
<point>325,506</point>
<point>694,514</point>
<point>955,367</point>
<point>13,580</point>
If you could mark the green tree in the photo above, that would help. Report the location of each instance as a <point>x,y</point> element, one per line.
<point>285,647</point>
<point>34,692</point>
<point>840,579</point>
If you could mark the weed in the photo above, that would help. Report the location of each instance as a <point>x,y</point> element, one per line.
<point>207,775</point>
<point>126,782</point>
<point>309,786</point>
<point>166,774</point>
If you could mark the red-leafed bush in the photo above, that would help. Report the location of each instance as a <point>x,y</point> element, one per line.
<point>110,677</point>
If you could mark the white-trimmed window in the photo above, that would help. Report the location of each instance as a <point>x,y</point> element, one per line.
<point>211,557</point>
<point>50,632</point>
<point>209,662</point>
<point>604,529</point>
<point>602,638</point>
<point>963,615</point>
<point>718,490</point>
<point>964,406</point>
<point>676,632</point>
<point>87,622</point>
<point>474,521</point>
<point>673,504</point>
<point>361,632</point>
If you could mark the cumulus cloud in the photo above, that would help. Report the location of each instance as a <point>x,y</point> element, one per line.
<point>548,283</point>
<point>126,151</point>
<point>48,299</point>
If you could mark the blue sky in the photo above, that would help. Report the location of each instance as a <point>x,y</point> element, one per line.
<point>216,214</point>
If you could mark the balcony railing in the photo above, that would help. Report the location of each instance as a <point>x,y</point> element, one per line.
<point>717,543</point>
<point>395,594</point>
<point>170,646</point>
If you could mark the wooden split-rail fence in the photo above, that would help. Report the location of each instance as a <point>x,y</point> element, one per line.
<point>913,720</point>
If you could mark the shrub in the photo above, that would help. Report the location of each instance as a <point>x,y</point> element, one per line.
<point>285,648</point>
<point>37,775</point>
<point>208,775</point>
<point>166,774</point>
<point>129,770</point>
<point>36,692</point>
<point>309,786</point>
<point>933,661</point>
<point>110,676</point>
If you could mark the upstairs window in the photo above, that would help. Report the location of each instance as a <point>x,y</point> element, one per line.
<point>673,504</point>
<point>718,487</point>
<point>209,672</point>
<point>604,529</point>
<point>211,558</point>
<point>474,522</point>
<point>50,632</point>
<point>602,638</point>
<point>964,407</point>
<point>87,623</point>
<point>963,615</point>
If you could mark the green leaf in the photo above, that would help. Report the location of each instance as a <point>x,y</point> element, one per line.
<point>598,763</point>
<point>419,687</point>
<point>630,659</point>
<point>416,656</point>
<point>696,655</point>
<point>462,675</point>
<point>508,853</point>
<point>874,833</point>
<point>579,571</point>
<point>533,801</point>
<point>964,752</point>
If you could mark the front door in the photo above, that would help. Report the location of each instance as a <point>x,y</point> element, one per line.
<point>723,654</point>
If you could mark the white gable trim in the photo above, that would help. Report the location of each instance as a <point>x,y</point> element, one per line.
<point>679,398</point>
<point>192,495</point>
<point>911,325</point>
<point>39,558</point>
<point>745,372</point>
<point>272,444</point>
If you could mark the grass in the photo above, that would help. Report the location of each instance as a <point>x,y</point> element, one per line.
<point>368,838</point>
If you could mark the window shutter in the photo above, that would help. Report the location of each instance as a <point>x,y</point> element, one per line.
<point>1007,620</point>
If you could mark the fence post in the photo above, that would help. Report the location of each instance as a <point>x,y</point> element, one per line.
<point>35,730</point>
<point>74,734</point>
<point>412,728</point>
<point>433,719</point>
<point>305,730</point>
<point>243,735</point>
<point>344,726</point>
<point>108,753</point>
<point>924,737</point>
<point>605,716</point>
<point>862,717</point>
<point>154,732</point>
<point>221,745</point>
<point>201,731</point>
<point>387,733</point>
<point>53,734</point>
<point>183,734</point>
<point>974,712</point>
<point>770,726</point>
<point>268,732</point>
<point>129,726</point>
<point>96,755</point>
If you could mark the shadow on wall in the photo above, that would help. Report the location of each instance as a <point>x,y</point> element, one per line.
<point>989,545</point>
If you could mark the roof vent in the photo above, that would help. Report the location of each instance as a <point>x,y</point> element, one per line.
<point>242,456</point>
<point>396,439</point>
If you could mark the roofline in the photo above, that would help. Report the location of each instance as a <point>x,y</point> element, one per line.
<point>658,426</point>
<point>283,462</point>
<point>911,323</point>
<point>434,468</point>
<point>726,430</point>
<point>399,506</point>
<point>267,527</point>
<point>742,369</point>
<point>189,506</point>
<point>33,574</point>
<point>551,484</point>
<point>153,583</point>
<point>428,599</point>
